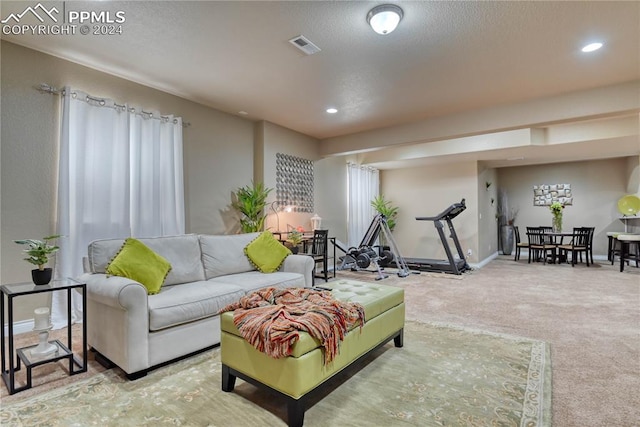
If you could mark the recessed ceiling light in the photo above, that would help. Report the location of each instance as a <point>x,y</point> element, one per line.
<point>243,113</point>
<point>332,110</point>
<point>591,47</point>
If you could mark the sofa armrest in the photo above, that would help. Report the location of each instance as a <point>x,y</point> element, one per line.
<point>115,291</point>
<point>118,320</point>
<point>302,264</point>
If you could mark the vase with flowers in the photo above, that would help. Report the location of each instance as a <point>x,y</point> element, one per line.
<point>556,210</point>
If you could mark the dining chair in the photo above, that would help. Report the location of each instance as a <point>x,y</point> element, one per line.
<point>519,244</point>
<point>550,240</point>
<point>538,245</point>
<point>319,253</point>
<point>592,231</point>
<point>579,244</point>
<point>589,252</point>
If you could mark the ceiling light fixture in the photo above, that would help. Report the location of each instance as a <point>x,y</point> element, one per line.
<point>332,110</point>
<point>384,18</point>
<point>591,47</point>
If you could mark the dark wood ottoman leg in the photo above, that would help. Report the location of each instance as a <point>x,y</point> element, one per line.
<point>398,340</point>
<point>295,412</point>
<point>228,380</point>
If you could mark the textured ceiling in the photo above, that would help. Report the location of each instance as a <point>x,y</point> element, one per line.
<point>444,58</point>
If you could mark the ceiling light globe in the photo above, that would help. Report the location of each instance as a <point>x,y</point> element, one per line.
<point>385,18</point>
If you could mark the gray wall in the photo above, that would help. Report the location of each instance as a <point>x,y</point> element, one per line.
<point>330,198</point>
<point>427,191</point>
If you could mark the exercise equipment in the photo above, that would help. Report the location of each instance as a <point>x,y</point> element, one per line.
<point>450,265</point>
<point>364,255</point>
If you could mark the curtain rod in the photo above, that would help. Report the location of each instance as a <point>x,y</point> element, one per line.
<point>46,88</point>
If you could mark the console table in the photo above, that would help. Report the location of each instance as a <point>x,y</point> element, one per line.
<point>11,363</point>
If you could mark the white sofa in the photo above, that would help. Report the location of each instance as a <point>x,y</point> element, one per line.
<point>137,332</point>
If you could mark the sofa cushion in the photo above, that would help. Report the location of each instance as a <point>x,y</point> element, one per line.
<point>254,280</point>
<point>182,252</point>
<point>266,253</point>
<point>179,304</point>
<point>137,262</point>
<point>224,254</point>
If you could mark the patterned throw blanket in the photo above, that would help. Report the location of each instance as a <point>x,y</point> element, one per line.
<point>270,319</point>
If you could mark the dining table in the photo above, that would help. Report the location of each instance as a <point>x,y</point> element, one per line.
<point>557,238</point>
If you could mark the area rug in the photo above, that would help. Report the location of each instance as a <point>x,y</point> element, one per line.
<point>443,376</point>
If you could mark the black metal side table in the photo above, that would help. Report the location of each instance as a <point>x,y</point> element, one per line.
<point>11,363</point>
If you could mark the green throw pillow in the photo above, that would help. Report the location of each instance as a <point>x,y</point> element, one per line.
<point>266,253</point>
<point>138,262</point>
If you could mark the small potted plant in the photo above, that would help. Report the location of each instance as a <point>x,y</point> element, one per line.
<point>294,238</point>
<point>38,253</point>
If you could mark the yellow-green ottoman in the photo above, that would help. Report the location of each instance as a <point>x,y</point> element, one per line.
<point>295,376</point>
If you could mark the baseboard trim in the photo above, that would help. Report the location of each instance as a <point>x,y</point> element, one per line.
<point>484,262</point>
<point>20,327</point>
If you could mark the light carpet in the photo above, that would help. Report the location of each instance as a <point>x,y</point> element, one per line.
<point>444,375</point>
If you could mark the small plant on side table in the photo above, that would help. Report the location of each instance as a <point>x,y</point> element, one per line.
<point>38,253</point>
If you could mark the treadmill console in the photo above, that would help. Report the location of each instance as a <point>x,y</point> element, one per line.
<point>451,212</point>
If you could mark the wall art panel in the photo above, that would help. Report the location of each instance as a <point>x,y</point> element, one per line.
<point>294,182</point>
<point>546,194</point>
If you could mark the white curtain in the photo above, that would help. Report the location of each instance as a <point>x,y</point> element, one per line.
<point>157,189</point>
<point>120,175</point>
<point>363,187</point>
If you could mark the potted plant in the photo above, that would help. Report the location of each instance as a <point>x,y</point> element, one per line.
<point>390,212</point>
<point>294,238</point>
<point>250,202</point>
<point>385,208</point>
<point>38,253</point>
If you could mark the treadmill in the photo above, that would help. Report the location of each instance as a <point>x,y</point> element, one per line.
<point>449,265</point>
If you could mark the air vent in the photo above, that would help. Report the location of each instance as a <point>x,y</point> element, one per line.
<point>305,45</point>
